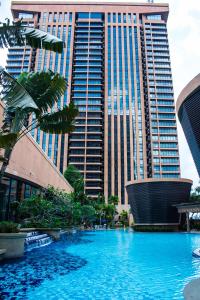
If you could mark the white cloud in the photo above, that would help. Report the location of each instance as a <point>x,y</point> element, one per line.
<point>184,38</point>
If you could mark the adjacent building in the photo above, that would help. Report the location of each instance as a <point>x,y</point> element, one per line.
<point>117,63</point>
<point>29,171</point>
<point>188,109</point>
<point>154,201</point>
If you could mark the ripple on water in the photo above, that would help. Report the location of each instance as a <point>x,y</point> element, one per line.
<point>113,265</point>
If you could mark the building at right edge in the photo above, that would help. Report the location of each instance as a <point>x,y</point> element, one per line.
<point>188,109</point>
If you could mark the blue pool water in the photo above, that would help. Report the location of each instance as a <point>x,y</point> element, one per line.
<point>105,265</point>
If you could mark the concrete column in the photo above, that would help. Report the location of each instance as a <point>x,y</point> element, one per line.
<point>188,221</point>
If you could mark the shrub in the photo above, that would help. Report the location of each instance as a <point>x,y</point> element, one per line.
<point>8,227</point>
<point>48,210</point>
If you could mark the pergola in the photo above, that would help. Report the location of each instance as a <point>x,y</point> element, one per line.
<point>188,208</point>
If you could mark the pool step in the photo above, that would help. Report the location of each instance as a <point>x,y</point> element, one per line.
<point>37,239</point>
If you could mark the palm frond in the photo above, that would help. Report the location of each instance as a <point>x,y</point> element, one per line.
<point>19,35</point>
<point>8,140</point>
<point>61,121</point>
<point>14,95</point>
<point>46,88</point>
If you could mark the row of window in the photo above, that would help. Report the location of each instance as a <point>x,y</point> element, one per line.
<point>57,17</point>
<point>166,168</point>
<point>164,130</point>
<point>162,102</point>
<point>89,168</point>
<point>162,109</point>
<point>161,96</point>
<point>122,18</point>
<point>157,25</point>
<point>161,90</point>
<point>23,15</point>
<point>88,159</point>
<point>166,152</point>
<point>154,17</point>
<point>89,102</point>
<point>85,88</point>
<point>160,82</point>
<point>85,81</point>
<point>165,145</point>
<point>166,175</point>
<point>164,137</point>
<point>163,116</point>
<point>166,160</point>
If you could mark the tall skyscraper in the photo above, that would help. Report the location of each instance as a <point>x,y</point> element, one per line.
<point>117,63</point>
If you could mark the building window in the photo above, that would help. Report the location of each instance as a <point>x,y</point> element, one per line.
<point>25,15</point>
<point>154,17</point>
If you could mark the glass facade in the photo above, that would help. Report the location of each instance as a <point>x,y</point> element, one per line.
<point>160,90</point>
<point>117,63</point>
<point>87,94</point>
<point>16,189</point>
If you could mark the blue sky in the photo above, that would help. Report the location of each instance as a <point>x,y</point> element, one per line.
<point>184,40</point>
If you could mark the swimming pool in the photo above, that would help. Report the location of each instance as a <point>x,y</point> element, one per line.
<point>105,265</point>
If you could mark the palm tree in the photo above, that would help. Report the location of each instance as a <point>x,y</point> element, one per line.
<point>32,93</point>
<point>17,34</point>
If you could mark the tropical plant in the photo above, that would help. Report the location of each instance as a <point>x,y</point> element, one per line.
<point>32,94</point>
<point>9,227</point>
<point>195,194</point>
<point>113,200</point>
<point>123,217</point>
<point>52,208</point>
<point>74,177</point>
<point>88,214</point>
<point>18,34</point>
<point>29,102</point>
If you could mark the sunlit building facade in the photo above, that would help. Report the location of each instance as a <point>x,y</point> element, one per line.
<point>117,63</point>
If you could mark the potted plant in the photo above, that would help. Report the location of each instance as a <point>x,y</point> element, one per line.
<point>11,239</point>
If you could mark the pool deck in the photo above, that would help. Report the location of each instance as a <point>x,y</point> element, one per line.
<point>192,290</point>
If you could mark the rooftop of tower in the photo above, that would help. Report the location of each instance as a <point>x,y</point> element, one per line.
<point>57,2</point>
<point>75,6</point>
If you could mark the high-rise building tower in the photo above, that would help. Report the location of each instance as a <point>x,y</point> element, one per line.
<point>117,63</point>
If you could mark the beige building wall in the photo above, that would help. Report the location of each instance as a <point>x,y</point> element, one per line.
<point>29,162</point>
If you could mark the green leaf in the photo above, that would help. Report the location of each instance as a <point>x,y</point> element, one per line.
<point>46,88</point>
<point>39,39</point>
<point>61,121</point>
<point>8,140</point>
<point>15,95</point>
<point>19,35</point>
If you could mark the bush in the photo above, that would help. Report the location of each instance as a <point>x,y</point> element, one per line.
<point>52,209</point>
<point>8,227</point>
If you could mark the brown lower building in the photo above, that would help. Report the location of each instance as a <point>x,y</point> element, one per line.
<point>117,63</point>
<point>28,171</point>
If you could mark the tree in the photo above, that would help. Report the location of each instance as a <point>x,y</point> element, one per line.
<point>195,194</point>
<point>52,208</point>
<point>110,212</point>
<point>123,217</point>
<point>32,93</point>
<point>74,177</point>
<point>17,34</point>
<point>113,200</point>
<point>88,214</point>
